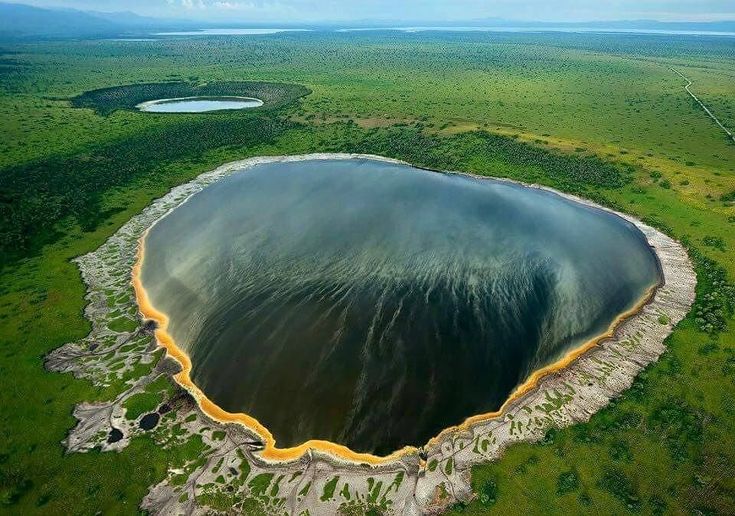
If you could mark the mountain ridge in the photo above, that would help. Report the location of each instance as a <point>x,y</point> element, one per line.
<point>19,21</point>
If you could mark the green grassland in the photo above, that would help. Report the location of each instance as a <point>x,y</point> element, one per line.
<point>105,101</point>
<point>601,116</point>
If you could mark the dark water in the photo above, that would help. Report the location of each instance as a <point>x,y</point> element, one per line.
<point>375,304</point>
<point>149,421</point>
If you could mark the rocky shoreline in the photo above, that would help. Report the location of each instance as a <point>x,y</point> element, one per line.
<point>234,466</point>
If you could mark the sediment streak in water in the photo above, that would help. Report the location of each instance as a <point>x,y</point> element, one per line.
<point>375,304</point>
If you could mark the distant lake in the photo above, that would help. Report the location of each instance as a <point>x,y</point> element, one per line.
<point>374,304</point>
<point>227,32</point>
<point>198,104</point>
<point>242,32</point>
<point>543,29</point>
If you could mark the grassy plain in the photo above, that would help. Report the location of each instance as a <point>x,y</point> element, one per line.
<point>599,115</point>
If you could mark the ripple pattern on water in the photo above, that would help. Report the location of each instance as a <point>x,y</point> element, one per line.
<point>375,304</point>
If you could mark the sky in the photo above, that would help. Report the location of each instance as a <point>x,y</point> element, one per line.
<point>294,11</point>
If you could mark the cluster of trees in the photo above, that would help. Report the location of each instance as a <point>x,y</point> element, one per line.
<point>489,154</point>
<point>107,100</point>
<point>715,303</point>
<point>35,197</point>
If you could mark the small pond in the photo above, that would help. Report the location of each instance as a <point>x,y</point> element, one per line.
<point>198,104</point>
<point>374,304</point>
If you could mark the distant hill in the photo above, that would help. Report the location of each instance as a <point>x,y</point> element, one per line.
<point>22,21</point>
<point>131,20</point>
<point>18,21</point>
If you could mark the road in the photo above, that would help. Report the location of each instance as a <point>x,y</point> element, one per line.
<point>706,109</point>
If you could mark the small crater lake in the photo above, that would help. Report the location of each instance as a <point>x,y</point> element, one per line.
<point>375,304</point>
<point>198,104</point>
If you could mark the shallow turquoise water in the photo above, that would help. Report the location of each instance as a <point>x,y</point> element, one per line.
<point>199,104</point>
<point>375,304</point>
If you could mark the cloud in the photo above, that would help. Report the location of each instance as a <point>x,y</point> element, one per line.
<point>193,4</point>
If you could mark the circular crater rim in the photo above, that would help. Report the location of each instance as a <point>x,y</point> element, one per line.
<point>269,451</point>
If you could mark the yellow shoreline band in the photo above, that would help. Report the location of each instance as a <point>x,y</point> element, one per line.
<point>270,451</point>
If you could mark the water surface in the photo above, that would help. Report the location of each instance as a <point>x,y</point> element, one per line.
<point>375,304</point>
<point>542,29</point>
<point>199,104</point>
<point>228,32</point>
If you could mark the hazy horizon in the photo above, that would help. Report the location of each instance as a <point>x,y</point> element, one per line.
<point>345,11</point>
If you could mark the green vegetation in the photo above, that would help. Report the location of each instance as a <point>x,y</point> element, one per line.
<point>329,488</point>
<point>567,482</point>
<point>260,483</point>
<point>449,466</point>
<point>148,400</point>
<point>38,196</point>
<point>488,493</point>
<point>528,107</point>
<point>108,100</point>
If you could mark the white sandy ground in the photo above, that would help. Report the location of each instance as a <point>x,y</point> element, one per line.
<point>405,485</point>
